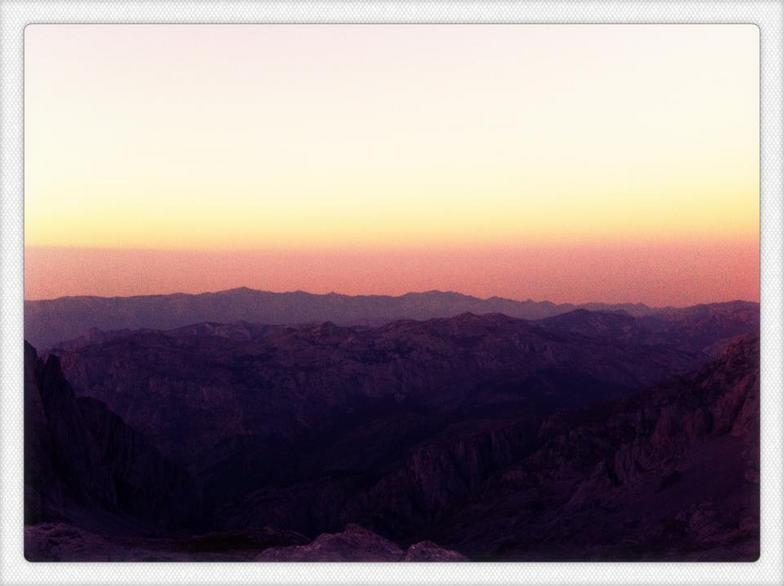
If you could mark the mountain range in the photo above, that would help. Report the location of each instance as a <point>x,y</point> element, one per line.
<point>585,435</point>
<point>54,320</point>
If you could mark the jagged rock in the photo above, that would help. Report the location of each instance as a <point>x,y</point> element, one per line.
<point>81,456</point>
<point>636,479</point>
<point>427,551</point>
<point>357,544</point>
<point>354,544</point>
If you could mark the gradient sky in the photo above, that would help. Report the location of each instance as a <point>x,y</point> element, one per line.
<point>570,163</point>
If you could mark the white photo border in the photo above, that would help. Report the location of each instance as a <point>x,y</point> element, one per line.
<point>15,15</point>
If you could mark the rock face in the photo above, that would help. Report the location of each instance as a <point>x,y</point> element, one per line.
<point>670,473</point>
<point>588,435</point>
<point>83,460</point>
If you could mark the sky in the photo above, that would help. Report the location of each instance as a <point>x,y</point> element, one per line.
<point>614,163</point>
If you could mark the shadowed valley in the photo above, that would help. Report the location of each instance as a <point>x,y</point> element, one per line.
<point>584,434</point>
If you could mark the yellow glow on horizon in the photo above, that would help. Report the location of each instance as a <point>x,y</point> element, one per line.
<point>221,137</point>
<point>325,225</point>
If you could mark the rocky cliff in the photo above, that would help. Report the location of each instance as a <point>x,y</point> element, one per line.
<point>82,462</point>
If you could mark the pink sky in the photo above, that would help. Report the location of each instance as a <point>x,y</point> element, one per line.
<point>652,273</point>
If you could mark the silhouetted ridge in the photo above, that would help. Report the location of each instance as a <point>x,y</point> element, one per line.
<point>50,321</point>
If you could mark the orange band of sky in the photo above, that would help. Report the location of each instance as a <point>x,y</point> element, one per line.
<point>570,163</point>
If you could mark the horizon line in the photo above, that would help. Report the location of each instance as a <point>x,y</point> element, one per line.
<point>423,292</point>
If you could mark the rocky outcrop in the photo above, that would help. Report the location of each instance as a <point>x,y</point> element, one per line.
<point>43,489</point>
<point>83,460</point>
<point>671,473</point>
<point>427,551</point>
<point>356,544</point>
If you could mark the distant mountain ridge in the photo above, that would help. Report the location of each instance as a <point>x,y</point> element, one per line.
<point>48,322</point>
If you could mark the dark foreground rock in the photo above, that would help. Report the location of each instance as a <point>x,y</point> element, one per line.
<point>65,542</point>
<point>356,544</point>
<point>82,462</point>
